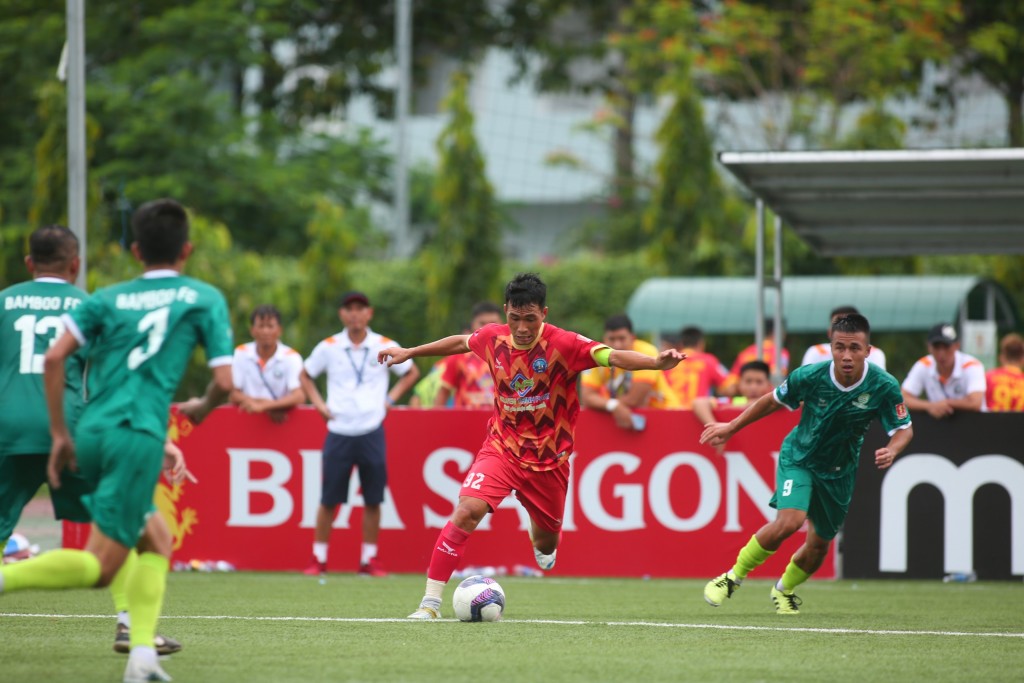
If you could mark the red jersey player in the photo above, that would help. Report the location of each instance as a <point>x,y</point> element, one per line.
<point>530,435</point>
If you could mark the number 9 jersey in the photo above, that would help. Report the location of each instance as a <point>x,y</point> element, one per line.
<point>30,322</point>
<point>139,336</point>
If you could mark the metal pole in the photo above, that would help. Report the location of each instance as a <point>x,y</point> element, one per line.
<point>76,127</point>
<point>403,48</point>
<point>759,279</point>
<point>780,332</point>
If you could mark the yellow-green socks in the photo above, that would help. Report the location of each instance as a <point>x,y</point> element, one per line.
<point>145,591</point>
<point>118,587</point>
<point>792,577</point>
<point>750,558</point>
<point>62,568</point>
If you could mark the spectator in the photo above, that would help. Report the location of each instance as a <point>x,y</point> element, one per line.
<point>357,402</point>
<point>466,376</point>
<point>820,353</point>
<point>1006,383</point>
<point>619,391</point>
<point>750,353</point>
<point>950,379</point>
<point>695,378</point>
<point>265,371</point>
<point>755,382</point>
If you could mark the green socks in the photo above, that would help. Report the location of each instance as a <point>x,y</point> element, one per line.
<point>792,577</point>
<point>145,591</point>
<point>118,587</point>
<point>750,558</point>
<point>61,568</point>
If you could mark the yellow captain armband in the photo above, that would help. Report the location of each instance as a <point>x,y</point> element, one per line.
<point>602,356</point>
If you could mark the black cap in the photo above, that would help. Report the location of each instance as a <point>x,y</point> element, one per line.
<point>943,333</point>
<point>353,297</point>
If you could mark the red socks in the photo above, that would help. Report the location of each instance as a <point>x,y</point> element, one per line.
<point>447,552</point>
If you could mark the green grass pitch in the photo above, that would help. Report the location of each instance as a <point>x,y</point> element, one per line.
<point>287,627</point>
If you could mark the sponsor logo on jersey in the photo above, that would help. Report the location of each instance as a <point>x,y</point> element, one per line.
<point>901,411</point>
<point>521,384</point>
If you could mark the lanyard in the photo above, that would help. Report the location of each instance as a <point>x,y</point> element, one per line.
<point>362,364</point>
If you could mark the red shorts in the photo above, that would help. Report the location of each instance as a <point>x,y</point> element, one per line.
<point>493,476</point>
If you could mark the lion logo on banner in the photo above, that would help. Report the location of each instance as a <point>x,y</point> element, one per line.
<point>166,497</point>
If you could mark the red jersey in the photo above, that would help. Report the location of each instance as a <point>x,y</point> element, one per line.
<point>695,376</point>
<point>1005,389</point>
<point>536,404</point>
<point>470,381</point>
<point>750,353</point>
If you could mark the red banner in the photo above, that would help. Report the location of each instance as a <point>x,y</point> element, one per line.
<point>653,503</point>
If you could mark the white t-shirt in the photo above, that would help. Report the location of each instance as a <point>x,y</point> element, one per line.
<point>276,378</point>
<point>357,385</point>
<point>823,352</point>
<point>968,377</point>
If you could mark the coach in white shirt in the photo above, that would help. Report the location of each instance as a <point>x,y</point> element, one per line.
<point>265,371</point>
<point>357,402</point>
<point>823,352</point>
<point>950,379</point>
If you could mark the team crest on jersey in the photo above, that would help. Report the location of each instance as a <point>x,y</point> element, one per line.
<point>862,400</point>
<point>521,384</point>
<point>784,388</point>
<point>901,411</point>
<point>539,365</point>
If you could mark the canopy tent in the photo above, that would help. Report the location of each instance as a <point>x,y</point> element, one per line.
<point>892,303</point>
<point>905,202</point>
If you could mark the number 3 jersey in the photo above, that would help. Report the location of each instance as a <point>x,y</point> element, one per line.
<point>139,336</point>
<point>30,322</point>
<point>536,404</point>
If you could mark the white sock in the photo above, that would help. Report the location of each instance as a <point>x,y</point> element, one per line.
<point>779,586</point>
<point>145,653</point>
<point>124,620</point>
<point>369,552</point>
<point>1,583</point>
<point>320,551</point>
<point>433,592</point>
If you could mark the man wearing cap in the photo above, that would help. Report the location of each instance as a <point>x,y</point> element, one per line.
<point>357,401</point>
<point>950,379</point>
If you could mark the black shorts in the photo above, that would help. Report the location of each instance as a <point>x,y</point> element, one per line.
<point>342,453</point>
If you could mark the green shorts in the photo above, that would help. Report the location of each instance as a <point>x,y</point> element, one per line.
<point>20,479</point>
<point>122,467</point>
<point>826,501</point>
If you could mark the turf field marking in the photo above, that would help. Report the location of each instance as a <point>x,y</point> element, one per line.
<point>559,622</point>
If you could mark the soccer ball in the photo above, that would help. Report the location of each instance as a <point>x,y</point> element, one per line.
<point>479,598</point>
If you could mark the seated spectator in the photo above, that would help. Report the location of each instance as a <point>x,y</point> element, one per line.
<point>466,377</point>
<point>1006,383</point>
<point>620,391</point>
<point>950,379</point>
<point>755,381</point>
<point>699,373</point>
<point>266,372</point>
<point>819,353</point>
<point>750,353</point>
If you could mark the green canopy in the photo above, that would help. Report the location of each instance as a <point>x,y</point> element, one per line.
<point>721,305</point>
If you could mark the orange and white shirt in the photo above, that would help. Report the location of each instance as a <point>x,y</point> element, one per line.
<point>274,378</point>
<point>968,377</point>
<point>1005,389</point>
<point>695,377</point>
<point>823,352</point>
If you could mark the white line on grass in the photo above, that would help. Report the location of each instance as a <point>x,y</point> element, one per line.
<point>555,622</point>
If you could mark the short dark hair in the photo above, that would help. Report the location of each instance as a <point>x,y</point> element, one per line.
<point>52,245</point>
<point>618,322</point>
<point>525,289</point>
<point>160,228</point>
<point>265,311</point>
<point>482,307</point>
<point>851,323</point>
<point>756,366</point>
<point>843,310</point>
<point>1012,347</point>
<point>690,336</point>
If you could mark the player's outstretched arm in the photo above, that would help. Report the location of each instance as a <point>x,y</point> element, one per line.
<point>217,391</point>
<point>885,456</point>
<point>393,355</point>
<point>62,451</point>
<point>632,360</point>
<point>717,433</point>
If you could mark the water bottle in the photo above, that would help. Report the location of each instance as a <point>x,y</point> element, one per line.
<point>960,577</point>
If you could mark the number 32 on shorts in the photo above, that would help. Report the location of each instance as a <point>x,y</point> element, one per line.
<point>473,481</point>
<point>787,487</point>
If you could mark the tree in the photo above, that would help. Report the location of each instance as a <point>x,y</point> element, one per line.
<point>465,255</point>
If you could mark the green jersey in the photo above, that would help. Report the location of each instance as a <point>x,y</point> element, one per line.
<point>30,322</point>
<point>835,418</point>
<point>141,335</point>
